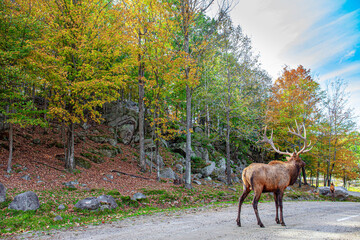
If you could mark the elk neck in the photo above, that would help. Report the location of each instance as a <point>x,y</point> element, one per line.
<point>293,167</point>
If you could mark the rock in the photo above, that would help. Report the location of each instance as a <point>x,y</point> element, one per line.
<point>108,201</point>
<point>26,177</point>
<point>197,182</point>
<point>103,207</point>
<point>149,145</point>
<point>61,207</point>
<point>112,142</point>
<point>109,176</point>
<point>207,179</point>
<point>167,173</point>
<point>2,193</point>
<point>58,218</point>
<point>108,151</point>
<point>97,139</point>
<point>232,189</point>
<point>25,201</point>
<point>181,149</point>
<point>202,153</point>
<point>197,176</point>
<point>71,184</point>
<point>208,170</point>
<point>340,192</point>
<point>179,168</point>
<point>138,196</point>
<point>81,162</point>
<point>85,126</point>
<point>150,156</point>
<point>90,203</point>
<point>126,133</point>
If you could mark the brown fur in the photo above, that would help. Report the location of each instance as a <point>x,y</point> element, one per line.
<point>272,177</point>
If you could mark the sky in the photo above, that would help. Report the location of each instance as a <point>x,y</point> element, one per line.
<point>321,35</point>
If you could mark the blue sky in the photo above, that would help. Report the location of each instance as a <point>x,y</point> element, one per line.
<point>321,35</point>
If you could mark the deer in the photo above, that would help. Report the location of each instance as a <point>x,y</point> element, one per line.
<point>274,177</point>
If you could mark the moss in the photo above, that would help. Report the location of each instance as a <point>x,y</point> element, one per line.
<point>198,163</point>
<point>79,161</point>
<point>92,157</point>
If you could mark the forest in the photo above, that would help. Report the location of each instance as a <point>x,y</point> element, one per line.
<point>62,60</point>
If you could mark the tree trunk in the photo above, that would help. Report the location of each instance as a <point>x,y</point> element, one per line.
<point>317,174</point>
<point>69,156</point>
<point>228,170</point>
<point>188,139</point>
<point>141,110</point>
<point>304,176</point>
<point>11,143</point>
<point>207,121</point>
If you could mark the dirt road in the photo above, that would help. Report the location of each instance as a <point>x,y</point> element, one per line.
<point>305,220</point>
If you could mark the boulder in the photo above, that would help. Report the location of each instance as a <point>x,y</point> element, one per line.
<point>208,170</point>
<point>138,196</point>
<point>2,193</point>
<point>90,203</point>
<point>25,201</point>
<point>167,173</point>
<point>58,218</point>
<point>61,207</point>
<point>340,192</point>
<point>107,200</point>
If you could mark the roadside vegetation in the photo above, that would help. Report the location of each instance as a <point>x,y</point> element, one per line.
<point>158,200</point>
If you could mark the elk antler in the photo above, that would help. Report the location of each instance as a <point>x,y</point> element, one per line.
<point>304,149</point>
<point>270,141</point>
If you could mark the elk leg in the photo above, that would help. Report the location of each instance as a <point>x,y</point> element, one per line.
<point>255,203</point>
<point>280,196</point>
<point>276,198</point>
<point>241,200</point>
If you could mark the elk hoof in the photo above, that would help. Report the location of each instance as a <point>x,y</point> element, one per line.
<point>283,224</point>
<point>261,225</point>
<point>238,223</point>
<point>277,220</point>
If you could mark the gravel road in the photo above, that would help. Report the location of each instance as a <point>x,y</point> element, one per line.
<point>305,220</point>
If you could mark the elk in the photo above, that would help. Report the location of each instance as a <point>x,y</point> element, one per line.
<point>273,177</point>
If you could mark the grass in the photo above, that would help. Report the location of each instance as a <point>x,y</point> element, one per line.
<point>354,189</point>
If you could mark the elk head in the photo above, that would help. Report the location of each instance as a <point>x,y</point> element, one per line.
<point>295,156</point>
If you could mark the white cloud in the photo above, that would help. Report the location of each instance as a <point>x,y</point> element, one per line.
<point>276,26</point>
<point>348,55</point>
<point>342,72</point>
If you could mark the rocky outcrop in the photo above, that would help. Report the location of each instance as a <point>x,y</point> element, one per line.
<point>123,117</point>
<point>25,201</point>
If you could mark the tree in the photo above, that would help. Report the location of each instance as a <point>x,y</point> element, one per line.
<point>76,57</point>
<point>17,29</point>
<point>338,118</point>
<point>295,96</point>
<point>188,12</point>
